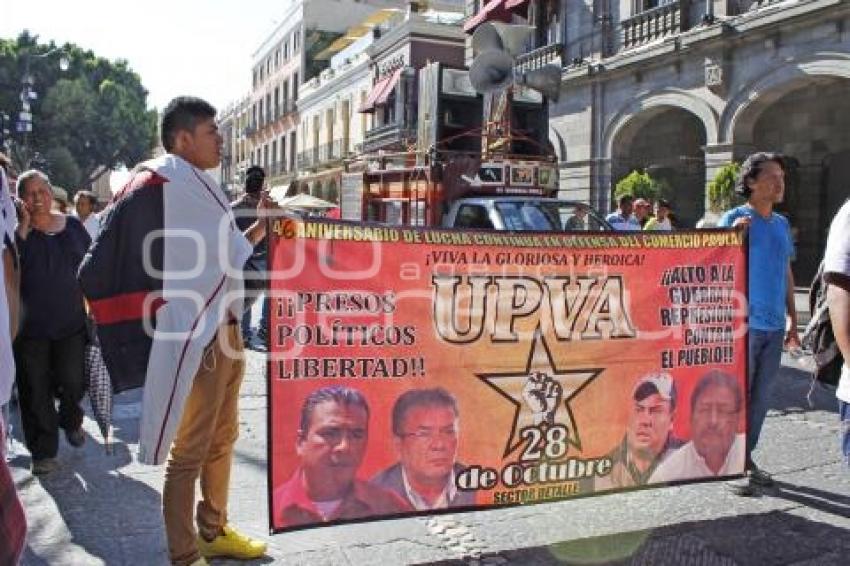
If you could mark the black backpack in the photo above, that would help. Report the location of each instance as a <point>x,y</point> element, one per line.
<point>818,337</point>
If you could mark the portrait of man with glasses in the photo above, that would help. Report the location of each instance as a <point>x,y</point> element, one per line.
<point>425,427</point>
<point>716,447</point>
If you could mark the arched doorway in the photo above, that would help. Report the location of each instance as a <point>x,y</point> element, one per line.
<point>810,124</point>
<point>667,142</point>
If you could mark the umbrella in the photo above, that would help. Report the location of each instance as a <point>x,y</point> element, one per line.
<point>303,202</point>
<point>278,193</point>
<point>100,390</point>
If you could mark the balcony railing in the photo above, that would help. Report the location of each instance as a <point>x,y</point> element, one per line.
<point>277,168</point>
<point>387,135</point>
<point>342,148</point>
<point>306,159</point>
<point>334,151</point>
<point>537,58</point>
<point>324,154</point>
<point>653,24</point>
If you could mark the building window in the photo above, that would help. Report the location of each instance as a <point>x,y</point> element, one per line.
<point>274,154</point>
<point>329,125</point>
<point>286,50</point>
<point>363,115</point>
<point>295,86</point>
<point>292,149</point>
<point>276,102</point>
<point>283,153</point>
<point>345,118</point>
<point>260,112</point>
<point>644,5</point>
<point>388,110</point>
<point>296,40</point>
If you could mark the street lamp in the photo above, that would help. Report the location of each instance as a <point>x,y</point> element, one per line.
<point>5,122</point>
<point>28,92</point>
<point>21,122</point>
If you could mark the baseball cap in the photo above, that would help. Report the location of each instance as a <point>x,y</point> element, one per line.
<point>660,383</point>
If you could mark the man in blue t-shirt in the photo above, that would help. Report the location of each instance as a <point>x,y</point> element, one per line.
<point>622,218</point>
<point>771,289</point>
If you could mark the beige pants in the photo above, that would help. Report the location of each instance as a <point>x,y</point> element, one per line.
<point>203,447</point>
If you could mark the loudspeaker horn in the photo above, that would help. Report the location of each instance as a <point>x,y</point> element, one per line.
<point>491,71</point>
<point>496,36</point>
<point>546,80</point>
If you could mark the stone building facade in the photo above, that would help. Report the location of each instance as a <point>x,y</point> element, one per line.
<point>366,100</point>
<point>331,129</point>
<point>235,158</point>
<point>289,57</point>
<point>402,50</point>
<point>681,88</point>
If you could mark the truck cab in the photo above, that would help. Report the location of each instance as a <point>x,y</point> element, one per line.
<point>537,214</point>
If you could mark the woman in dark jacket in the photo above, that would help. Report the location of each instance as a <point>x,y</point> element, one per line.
<point>49,350</point>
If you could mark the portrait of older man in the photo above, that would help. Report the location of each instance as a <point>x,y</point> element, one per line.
<point>649,438</point>
<point>716,448</point>
<point>425,426</point>
<point>331,443</point>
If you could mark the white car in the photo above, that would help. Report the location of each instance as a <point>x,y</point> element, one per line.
<point>519,214</point>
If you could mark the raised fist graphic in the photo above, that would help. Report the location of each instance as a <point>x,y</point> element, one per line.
<point>542,394</point>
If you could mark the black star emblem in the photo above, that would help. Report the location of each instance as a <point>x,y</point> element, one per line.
<point>541,394</point>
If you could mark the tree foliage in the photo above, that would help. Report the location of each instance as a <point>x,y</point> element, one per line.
<point>641,184</point>
<point>721,189</point>
<point>86,120</point>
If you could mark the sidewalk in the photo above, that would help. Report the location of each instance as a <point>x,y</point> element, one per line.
<point>100,509</point>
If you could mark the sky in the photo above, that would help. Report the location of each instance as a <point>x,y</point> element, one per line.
<point>197,47</point>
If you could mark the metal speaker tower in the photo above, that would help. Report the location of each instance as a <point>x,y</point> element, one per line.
<point>496,46</point>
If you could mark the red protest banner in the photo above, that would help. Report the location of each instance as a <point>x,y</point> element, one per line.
<point>414,370</point>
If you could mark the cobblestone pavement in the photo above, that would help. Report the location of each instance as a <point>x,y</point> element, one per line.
<point>105,509</point>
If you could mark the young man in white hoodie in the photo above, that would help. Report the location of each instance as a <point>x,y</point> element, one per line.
<point>190,361</point>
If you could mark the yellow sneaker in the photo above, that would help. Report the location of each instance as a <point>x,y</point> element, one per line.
<point>232,544</point>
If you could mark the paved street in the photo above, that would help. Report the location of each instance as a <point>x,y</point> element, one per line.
<point>104,509</point>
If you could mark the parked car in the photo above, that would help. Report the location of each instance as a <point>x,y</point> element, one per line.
<point>534,214</point>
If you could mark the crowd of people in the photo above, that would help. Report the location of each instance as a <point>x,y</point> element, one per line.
<point>61,269</point>
<point>62,272</point>
<point>640,214</point>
